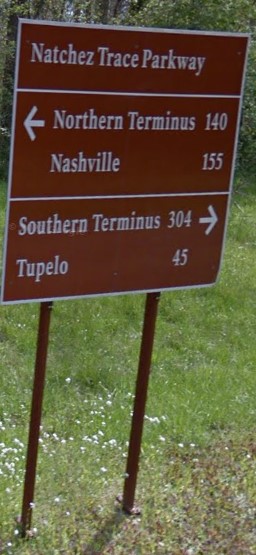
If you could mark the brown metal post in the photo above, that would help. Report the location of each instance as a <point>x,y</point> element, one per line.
<point>35,417</point>
<point>140,402</point>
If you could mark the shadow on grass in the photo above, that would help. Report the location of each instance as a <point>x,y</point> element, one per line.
<point>101,541</point>
<point>103,537</point>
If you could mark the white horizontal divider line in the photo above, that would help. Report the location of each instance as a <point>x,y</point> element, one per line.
<point>111,197</point>
<point>126,93</point>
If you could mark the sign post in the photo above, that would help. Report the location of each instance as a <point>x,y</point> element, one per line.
<point>140,403</point>
<point>35,418</point>
<point>121,168</point>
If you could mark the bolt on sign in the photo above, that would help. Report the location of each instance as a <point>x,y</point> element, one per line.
<point>122,159</point>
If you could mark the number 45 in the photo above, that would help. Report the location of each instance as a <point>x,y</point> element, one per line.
<point>180,258</point>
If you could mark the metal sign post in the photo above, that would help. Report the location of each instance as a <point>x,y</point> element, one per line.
<point>35,418</point>
<point>140,402</point>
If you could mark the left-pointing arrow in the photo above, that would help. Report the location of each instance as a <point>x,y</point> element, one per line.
<point>29,123</point>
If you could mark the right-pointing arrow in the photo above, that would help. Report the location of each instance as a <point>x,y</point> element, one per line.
<point>211,220</point>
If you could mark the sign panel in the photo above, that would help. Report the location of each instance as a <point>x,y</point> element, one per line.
<point>122,159</point>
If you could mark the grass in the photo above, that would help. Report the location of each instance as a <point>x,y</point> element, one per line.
<point>196,483</point>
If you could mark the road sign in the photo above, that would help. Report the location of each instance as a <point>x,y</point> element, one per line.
<point>122,159</point>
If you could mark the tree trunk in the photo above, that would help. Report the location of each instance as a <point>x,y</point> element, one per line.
<point>103,7</point>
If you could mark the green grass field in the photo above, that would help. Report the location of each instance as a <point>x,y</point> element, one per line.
<point>196,485</point>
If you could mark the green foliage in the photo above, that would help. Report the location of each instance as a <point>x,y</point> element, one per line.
<point>247,146</point>
<point>196,14</point>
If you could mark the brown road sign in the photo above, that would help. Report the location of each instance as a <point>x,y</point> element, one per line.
<point>93,246</point>
<point>90,145</point>
<point>122,159</point>
<point>63,56</point>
